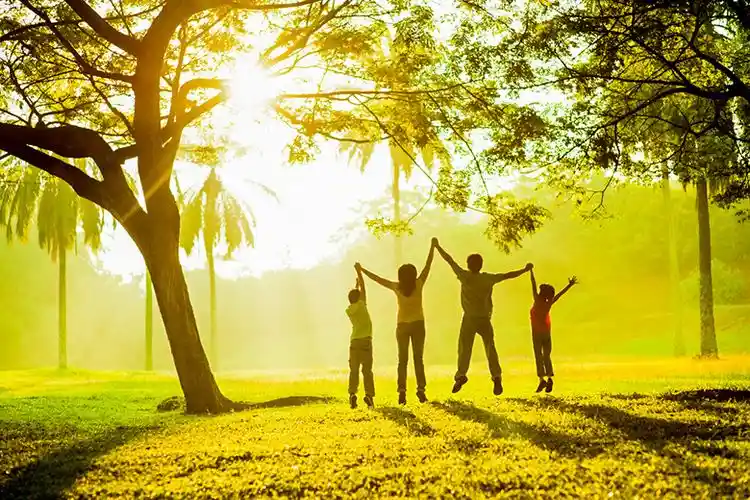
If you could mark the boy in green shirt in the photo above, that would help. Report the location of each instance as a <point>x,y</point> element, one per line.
<point>360,347</point>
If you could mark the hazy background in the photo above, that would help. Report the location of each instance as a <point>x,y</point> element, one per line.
<point>295,318</point>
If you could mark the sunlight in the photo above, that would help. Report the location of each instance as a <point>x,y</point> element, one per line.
<point>251,88</point>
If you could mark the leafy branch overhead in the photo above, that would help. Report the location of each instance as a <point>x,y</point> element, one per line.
<point>634,89</point>
<point>384,72</point>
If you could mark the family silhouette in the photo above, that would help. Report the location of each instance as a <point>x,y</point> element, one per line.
<point>476,302</point>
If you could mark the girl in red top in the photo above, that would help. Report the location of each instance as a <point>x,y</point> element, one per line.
<point>541,328</point>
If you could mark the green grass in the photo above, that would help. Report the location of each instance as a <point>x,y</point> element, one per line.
<point>611,429</point>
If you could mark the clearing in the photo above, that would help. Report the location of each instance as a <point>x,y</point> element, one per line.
<point>676,428</point>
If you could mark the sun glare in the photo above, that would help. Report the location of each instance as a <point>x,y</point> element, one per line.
<point>251,89</point>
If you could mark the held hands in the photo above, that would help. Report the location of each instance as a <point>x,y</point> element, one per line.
<point>529,267</point>
<point>435,243</point>
<point>358,267</point>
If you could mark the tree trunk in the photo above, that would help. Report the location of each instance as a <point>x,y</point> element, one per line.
<point>202,395</point>
<point>396,194</point>
<point>674,268</point>
<point>708,330</point>
<point>214,342</point>
<point>149,323</point>
<point>62,347</point>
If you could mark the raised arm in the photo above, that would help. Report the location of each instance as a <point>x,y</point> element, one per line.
<point>446,256</point>
<point>534,290</point>
<point>572,281</point>
<point>360,282</point>
<point>513,274</point>
<point>427,265</point>
<point>391,285</point>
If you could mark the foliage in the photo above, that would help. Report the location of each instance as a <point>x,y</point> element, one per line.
<point>214,213</point>
<point>29,197</point>
<point>637,429</point>
<point>640,87</point>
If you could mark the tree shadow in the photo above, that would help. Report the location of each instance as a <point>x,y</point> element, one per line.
<point>709,395</point>
<point>175,403</point>
<point>50,475</point>
<point>652,431</point>
<point>288,401</point>
<point>540,435</point>
<point>656,434</point>
<point>408,420</point>
<point>701,400</point>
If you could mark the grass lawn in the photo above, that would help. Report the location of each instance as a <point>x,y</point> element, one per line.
<point>610,429</point>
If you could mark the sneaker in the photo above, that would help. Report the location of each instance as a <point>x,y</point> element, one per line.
<point>497,388</point>
<point>422,397</point>
<point>369,402</point>
<point>460,381</point>
<point>549,385</point>
<point>402,398</point>
<point>542,385</point>
<point>353,401</point>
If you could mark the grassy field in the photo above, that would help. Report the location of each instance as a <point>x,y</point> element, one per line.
<point>627,429</point>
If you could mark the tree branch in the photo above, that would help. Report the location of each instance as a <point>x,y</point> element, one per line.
<point>69,141</point>
<point>84,185</point>
<point>85,66</point>
<point>169,132</point>
<point>103,28</point>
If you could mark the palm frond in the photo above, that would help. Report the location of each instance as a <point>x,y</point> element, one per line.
<point>191,222</point>
<point>266,190</point>
<point>92,220</point>
<point>237,229</point>
<point>402,157</point>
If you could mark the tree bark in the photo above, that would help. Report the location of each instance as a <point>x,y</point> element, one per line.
<point>202,395</point>
<point>709,347</point>
<point>62,338</point>
<point>396,194</point>
<point>214,342</point>
<point>149,323</point>
<point>674,268</point>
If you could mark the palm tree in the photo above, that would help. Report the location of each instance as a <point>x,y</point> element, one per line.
<point>149,323</point>
<point>709,347</point>
<point>674,268</point>
<point>214,213</point>
<point>59,215</point>
<point>403,158</point>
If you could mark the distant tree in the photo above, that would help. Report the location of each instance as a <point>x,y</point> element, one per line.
<point>218,217</point>
<point>37,199</point>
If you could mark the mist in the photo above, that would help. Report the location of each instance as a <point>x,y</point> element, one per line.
<point>295,320</point>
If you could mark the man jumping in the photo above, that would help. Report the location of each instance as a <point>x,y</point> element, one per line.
<point>476,302</point>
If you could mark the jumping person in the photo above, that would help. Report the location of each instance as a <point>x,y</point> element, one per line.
<point>410,320</point>
<point>541,329</point>
<point>476,302</point>
<point>360,344</point>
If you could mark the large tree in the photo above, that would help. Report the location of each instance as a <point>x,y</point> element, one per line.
<point>119,82</point>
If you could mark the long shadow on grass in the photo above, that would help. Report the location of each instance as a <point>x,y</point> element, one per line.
<point>50,475</point>
<point>178,403</point>
<point>655,434</point>
<point>652,431</point>
<point>408,420</point>
<point>501,426</point>
<point>713,401</point>
<point>289,401</point>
